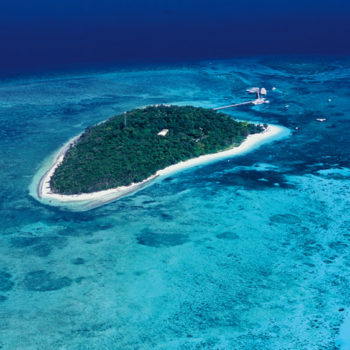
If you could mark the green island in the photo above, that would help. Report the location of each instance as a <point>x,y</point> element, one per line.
<point>131,147</point>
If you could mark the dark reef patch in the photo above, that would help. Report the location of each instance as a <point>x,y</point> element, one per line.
<point>94,241</point>
<point>76,232</point>
<point>43,281</point>
<point>5,281</point>
<point>338,246</point>
<point>148,202</point>
<point>152,239</point>
<point>82,228</point>
<point>168,179</point>
<point>285,219</point>
<point>78,261</point>
<point>252,179</point>
<point>42,250</point>
<point>39,246</point>
<point>2,299</point>
<point>79,280</point>
<point>227,235</point>
<point>165,216</point>
<point>90,330</point>
<point>22,242</point>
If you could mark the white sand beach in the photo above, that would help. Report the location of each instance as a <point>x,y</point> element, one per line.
<point>90,200</point>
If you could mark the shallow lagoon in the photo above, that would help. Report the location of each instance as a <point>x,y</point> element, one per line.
<point>247,253</point>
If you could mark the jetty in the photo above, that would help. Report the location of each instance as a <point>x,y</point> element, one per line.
<point>258,101</point>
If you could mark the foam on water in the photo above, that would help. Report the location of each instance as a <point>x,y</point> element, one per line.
<point>244,253</point>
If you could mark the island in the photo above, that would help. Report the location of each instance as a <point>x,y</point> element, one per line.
<point>128,151</point>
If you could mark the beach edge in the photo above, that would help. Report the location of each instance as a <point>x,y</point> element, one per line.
<point>40,187</point>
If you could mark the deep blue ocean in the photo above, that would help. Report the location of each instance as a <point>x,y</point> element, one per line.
<point>250,253</point>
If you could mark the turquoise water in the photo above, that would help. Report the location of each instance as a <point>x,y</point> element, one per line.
<point>247,253</point>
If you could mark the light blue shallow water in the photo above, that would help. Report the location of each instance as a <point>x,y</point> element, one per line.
<point>251,253</point>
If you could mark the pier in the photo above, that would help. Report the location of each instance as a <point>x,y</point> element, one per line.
<point>258,101</point>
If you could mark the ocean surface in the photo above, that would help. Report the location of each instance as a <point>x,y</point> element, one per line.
<point>247,253</point>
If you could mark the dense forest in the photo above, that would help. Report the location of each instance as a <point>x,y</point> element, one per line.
<point>127,148</point>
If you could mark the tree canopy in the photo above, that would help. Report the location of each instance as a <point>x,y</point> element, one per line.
<point>127,149</point>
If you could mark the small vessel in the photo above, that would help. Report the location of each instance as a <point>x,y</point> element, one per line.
<point>260,101</point>
<point>258,91</point>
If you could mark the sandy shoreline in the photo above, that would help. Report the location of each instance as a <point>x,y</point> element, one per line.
<point>89,200</point>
